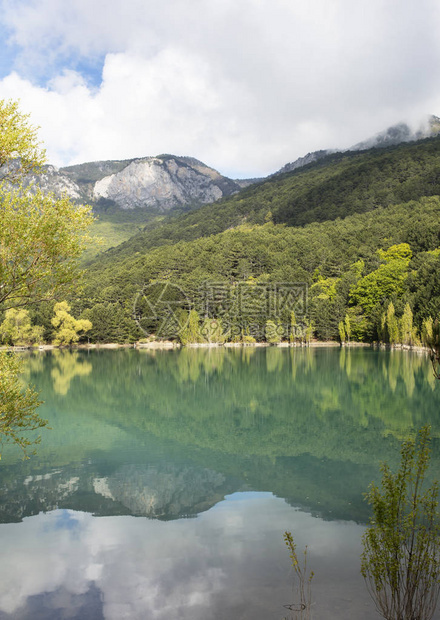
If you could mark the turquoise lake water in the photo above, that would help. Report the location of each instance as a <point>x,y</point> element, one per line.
<point>168,478</point>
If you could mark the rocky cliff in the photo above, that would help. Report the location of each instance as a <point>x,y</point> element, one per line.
<point>156,183</point>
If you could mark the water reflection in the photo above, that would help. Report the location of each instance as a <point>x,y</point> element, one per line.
<point>309,425</point>
<point>66,366</point>
<point>230,562</point>
<point>290,437</point>
<point>166,491</point>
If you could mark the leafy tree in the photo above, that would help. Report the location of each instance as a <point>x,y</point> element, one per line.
<point>401,556</point>
<point>101,317</point>
<point>427,331</point>
<point>431,339</point>
<point>190,332</point>
<point>392,325</point>
<point>17,407</point>
<point>212,330</point>
<point>272,334</point>
<point>347,325</point>
<point>246,337</point>
<point>68,328</point>
<point>386,281</point>
<point>308,331</point>
<point>293,327</point>
<point>17,329</point>
<point>341,329</point>
<point>41,238</point>
<point>20,151</point>
<point>407,334</point>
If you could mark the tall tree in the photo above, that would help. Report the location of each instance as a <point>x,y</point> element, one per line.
<point>41,237</point>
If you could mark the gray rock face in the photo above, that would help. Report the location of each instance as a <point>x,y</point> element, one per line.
<point>52,180</point>
<point>158,183</point>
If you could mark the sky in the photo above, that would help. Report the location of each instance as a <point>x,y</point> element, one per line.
<point>243,85</point>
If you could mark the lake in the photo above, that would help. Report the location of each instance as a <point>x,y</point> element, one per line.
<point>168,478</point>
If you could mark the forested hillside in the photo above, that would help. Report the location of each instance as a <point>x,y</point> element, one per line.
<point>336,186</point>
<point>360,231</point>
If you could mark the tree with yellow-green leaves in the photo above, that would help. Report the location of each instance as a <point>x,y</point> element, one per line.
<point>41,238</point>
<point>408,333</point>
<point>17,328</point>
<point>190,330</point>
<point>347,327</point>
<point>341,330</point>
<point>431,339</point>
<point>392,325</point>
<point>20,151</point>
<point>68,328</point>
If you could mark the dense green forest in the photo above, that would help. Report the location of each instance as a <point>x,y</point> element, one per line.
<point>339,261</point>
<point>357,233</point>
<point>336,186</point>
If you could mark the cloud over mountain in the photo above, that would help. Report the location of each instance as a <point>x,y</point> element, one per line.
<point>246,86</point>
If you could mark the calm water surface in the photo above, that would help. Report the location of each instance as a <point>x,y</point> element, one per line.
<point>168,478</point>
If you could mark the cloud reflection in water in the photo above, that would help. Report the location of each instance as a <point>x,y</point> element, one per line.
<point>229,562</point>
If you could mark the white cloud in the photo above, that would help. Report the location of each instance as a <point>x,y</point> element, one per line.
<point>245,86</point>
<point>194,569</point>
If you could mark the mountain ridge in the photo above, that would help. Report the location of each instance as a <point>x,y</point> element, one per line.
<point>157,183</point>
<point>332,187</point>
<point>165,182</point>
<point>392,136</point>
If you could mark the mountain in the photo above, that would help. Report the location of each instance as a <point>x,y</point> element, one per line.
<point>325,226</point>
<point>394,135</point>
<point>310,158</point>
<point>157,490</point>
<point>166,182</point>
<point>129,195</point>
<point>153,183</point>
<point>160,184</point>
<point>399,133</point>
<point>335,186</point>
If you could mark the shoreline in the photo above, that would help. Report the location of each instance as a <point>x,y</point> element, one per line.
<point>171,345</point>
